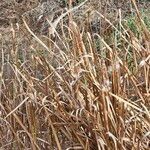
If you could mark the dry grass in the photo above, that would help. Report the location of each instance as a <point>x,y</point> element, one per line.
<point>81,90</point>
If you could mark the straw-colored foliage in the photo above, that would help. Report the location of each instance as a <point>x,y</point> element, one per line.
<point>84,84</point>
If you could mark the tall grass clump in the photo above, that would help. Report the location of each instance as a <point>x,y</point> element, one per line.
<point>77,89</point>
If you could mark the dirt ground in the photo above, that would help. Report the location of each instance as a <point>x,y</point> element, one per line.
<point>11,11</point>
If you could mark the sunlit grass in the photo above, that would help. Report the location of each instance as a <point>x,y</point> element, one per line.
<point>81,90</point>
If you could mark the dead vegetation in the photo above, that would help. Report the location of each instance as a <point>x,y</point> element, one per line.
<point>85,84</point>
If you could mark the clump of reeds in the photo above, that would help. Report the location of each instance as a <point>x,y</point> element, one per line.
<point>82,91</point>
